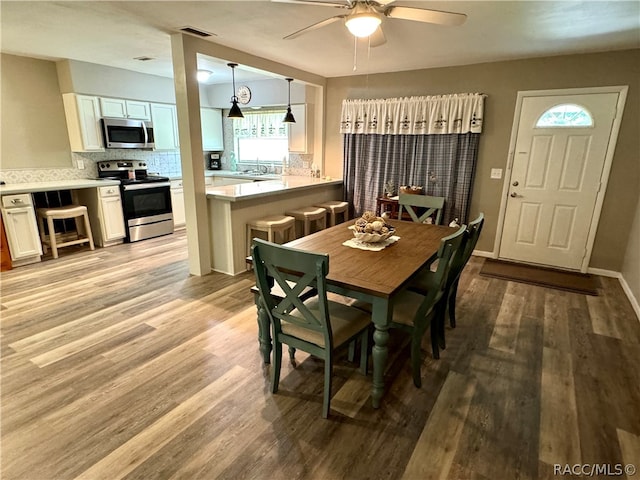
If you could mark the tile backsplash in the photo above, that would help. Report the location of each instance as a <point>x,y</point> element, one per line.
<point>161,163</point>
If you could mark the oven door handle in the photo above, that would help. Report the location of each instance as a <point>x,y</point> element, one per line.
<point>146,186</point>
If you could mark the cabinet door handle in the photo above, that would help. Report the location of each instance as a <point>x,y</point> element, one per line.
<point>16,201</point>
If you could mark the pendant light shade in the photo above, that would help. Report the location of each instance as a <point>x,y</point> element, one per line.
<point>288,118</point>
<point>235,111</point>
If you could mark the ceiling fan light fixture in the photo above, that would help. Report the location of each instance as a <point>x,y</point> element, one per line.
<point>234,111</point>
<point>203,75</point>
<point>289,118</point>
<point>363,24</point>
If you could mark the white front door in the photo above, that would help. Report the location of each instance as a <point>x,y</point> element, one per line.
<point>557,172</point>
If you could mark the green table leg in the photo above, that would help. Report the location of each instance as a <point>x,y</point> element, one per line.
<point>380,352</point>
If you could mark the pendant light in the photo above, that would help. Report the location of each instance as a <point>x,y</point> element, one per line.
<point>235,111</point>
<point>288,118</point>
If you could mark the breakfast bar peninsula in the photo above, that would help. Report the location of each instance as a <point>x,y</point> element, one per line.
<point>231,207</point>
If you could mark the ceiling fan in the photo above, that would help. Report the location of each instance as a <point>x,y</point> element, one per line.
<point>365,16</point>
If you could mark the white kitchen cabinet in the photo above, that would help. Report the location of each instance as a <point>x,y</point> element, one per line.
<point>165,126</point>
<point>121,108</point>
<point>301,132</point>
<point>83,122</point>
<point>22,230</point>
<point>105,214</point>
<point>177,204</point>
<point>211,120</point>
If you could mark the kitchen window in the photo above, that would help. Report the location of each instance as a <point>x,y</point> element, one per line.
<point>261,138</point>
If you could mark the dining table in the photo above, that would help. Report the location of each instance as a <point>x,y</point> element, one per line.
<point>375,277</point>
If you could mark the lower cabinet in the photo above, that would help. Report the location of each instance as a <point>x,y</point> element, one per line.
<point>105,213</point>
<point>19,219</point>
<point>177,204</point>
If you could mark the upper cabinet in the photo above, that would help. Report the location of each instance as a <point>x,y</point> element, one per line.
<point>301,132</point>
<point>120,108</point>
<point>165,126</point>
<point>211,119</point>
<point>83,122</point>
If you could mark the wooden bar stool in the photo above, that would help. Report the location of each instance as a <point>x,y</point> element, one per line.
<point>62,213</point>
<point>282,225</point>
<point>335,208</point>
<point>307,215</point>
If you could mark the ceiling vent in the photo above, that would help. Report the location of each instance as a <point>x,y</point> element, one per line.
<point>196,32</point>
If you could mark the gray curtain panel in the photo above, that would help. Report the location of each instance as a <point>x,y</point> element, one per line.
<point>443,164</point>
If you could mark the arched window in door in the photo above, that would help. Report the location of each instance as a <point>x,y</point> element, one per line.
<point>565,115</point>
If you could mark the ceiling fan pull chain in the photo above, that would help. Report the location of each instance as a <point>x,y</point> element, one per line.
<point>355,53</point>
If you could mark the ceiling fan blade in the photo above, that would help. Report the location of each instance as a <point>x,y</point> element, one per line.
<point>314,27</point>
<point>338,4</point>
<point>377,38</point>
<point>424,15</point>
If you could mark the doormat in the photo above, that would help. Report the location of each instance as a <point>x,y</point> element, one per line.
<point>541,276</point>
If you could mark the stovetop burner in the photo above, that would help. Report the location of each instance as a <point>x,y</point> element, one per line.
<point>128,172</point>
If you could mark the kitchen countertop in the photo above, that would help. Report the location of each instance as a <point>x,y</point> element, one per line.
<point>287,183</point>
<point>55,185</point>
<point>232,174</point>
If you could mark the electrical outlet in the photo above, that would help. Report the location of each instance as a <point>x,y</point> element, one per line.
<point>496,173</point>
<point>305,164</point>
<point>80,163</point>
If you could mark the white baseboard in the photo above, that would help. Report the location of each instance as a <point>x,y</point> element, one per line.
<point>604,273</point>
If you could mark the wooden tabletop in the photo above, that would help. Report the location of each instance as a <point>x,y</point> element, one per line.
<point>381,273</point>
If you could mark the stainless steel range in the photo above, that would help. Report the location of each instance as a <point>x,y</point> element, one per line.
<point>146,199</point>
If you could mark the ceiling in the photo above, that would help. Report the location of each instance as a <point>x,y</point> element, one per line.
<point>116,33</point>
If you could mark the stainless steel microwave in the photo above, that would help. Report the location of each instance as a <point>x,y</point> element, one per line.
<point>127,133</point>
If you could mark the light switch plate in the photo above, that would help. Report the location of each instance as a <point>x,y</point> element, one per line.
<point>496,173</point>
<point>80,164</point>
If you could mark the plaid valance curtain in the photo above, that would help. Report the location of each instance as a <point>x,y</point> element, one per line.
<point>443,162</point>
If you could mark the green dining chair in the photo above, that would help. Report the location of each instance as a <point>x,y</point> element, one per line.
<point>314,325</point>
<point>421,285</point>
<point>414,312</point>
<point>415,204</point>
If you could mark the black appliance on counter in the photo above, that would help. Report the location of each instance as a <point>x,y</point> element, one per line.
<point>146,199</point>
<point>215,162</point>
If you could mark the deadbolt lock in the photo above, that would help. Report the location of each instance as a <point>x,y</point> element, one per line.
<point>515,184</point>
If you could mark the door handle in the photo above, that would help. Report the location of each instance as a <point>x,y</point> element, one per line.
<point>514,194</point>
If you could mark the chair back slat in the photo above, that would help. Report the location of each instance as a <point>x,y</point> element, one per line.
<point>295,272</point>
<point>472,234</point>
<point>412,203</point>
<point>436,281</point>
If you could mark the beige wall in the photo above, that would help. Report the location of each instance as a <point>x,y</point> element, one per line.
<point>34,130</point>
<point>501,81</point>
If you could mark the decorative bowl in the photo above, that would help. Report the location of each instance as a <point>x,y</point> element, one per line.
<point>371,237</point>
<point>415,190</point>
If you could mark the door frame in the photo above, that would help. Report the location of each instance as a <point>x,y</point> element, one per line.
<point>621,90</point>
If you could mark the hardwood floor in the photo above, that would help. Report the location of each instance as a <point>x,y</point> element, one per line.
<point>118,364</point>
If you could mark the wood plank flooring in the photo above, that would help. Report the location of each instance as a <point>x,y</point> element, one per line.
<point>118,364</point>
